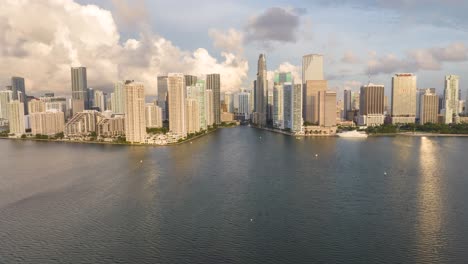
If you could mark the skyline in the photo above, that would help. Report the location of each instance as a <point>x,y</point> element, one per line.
<point>118,42</point>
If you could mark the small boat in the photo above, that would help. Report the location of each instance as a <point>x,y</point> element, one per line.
<point>352,134</point>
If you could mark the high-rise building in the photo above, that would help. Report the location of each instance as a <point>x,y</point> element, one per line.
<point>5,98</point>
<point>162,96</point>
<point>19,91</point>
<point>209,107</point>
<point>244,104</point>
<point>90,97</point>
<point>135,123</point>
<point>16,117</point>
<point>451,99</point>
<point>153,116</point>
<point>297,109</point>
<point>403,98</point>
<point>229,102</point>
<point>201,98</point>
<point>213,82</point>
<point>118,99</point>
<point>288,110</point>
<point>83,123</point>
<point>310,100</point>
<point>177,96</point>
<point>100,100</point>
<point>192,115</point>
<point>348,103</point>
<point>36,106</point>
<point>47,123</point>
<point>190,80</point>
<point>278,106</point>
<point>312,68</point>
<point>429,107</point>
<point>282,77</point>
<point>371,110</point>
<point>79,83</point>
<point>327,108</point>
<point>355,100</point>
<point>112,126</point>
<point>261,93</point>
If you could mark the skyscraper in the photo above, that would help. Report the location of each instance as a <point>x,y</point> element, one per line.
<point>19,91</point>
<point>297,109</point>
<point>79,89</point>
<point>209,107</point>
<point>278,106</point>
<point>213,83</point>
<point>47,123</point>
<point>429,107</point>
<point>5,98</point>
<point>312,68</point>
<point>261,93</point>
<point>162,96</point>
<point>153,115</point>
<point>177,95</point>
<point>16,117</point>
<point>244,104</point>
<point>192,115</point>
<point>36,106</point>
<point>229,102</point>
<point>327,108</point>
<point>100,100</point>
<point>372,105</point>
<point>451,99</point>
<point>403,98</point>
<point>288,110</point>
<point>310,99</point>
<point>135,123</point>
<point>190,80</point>
<point>348,106</point>
<point>90,97</point>
<point>118,102</point>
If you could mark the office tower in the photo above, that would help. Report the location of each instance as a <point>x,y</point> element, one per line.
<point>47,123</point>
<point>254,96</point>
<point>201,98</point>
<point>153,116</point>
<point>118,99</point>
<point>135,124</point>
<point>190,80</point>
<point>162,96</point>
<point>327,109</point>
<point>429,107</point>
<point>261,93</point>
<point>79,89</point>
<point>310,100</point>
<point>90,97</point>
<point>83,123</point>
<point>16,117</point>
<point>312,68</point>
<point>297,109</point>
<point>278,106</point>
<point>213,83</point>
<point>36,106</point>
<point>451,99</point>
<point>244,104</point>
<point>5,98</point>
<point>99,100</point>
<point>355,100</point>
<point>348,103</point>
<point>372,105</point>
<point>192,115</point>
<point>403,98</point>
<point>229,101</point>
<point>19,91</point>
<point>177,94</point>
<point>288,110</point>
<point>209,107</point>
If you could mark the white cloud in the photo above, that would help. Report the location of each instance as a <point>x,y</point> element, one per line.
<point>42,48</point>
<point>231,41</point>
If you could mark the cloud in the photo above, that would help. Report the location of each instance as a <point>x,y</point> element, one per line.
<point>130,14</point>
<point>418,59</point>
<point>43,48</point>
<point>231,41</point>
<point>276,24</point>
<point>285,67</point>
<point>350,57</point>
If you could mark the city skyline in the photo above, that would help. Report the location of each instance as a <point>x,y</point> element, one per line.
<point>349,57</point>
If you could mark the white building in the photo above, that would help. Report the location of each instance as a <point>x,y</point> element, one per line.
<point>297,120</point>
<point>5,98</point>
<point>404,98</point>
<point>192,115</point>
<point>153,114</point>
<point>36,106</point>
<point>176,100</point>
<point>451,100</point>
<point>135,124</point>
<point>47,123</point>
<point>100,100</point>
<point>209,107</point>
<point>16,117</point>
<point>312,68</point>
<point>278,106</point>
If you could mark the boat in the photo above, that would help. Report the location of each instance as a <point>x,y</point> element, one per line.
<point>352,134</point>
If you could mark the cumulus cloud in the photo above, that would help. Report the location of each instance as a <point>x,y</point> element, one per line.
<point>275,24</point>
<point>43,48</point>
<point>350,57</point>
<point>285,67</point>
<point>231,40</point>
<point>419,59</point>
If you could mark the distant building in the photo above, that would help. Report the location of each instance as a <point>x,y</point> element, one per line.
<point>403,98</point>
<point>135,124</point>
<point>163,96</point>
<point>100,100</point>
<point>261,93</point>
<point>310,100</point>
<point>47,123</point>
<point>451,99</point>
<point>111,126</point>
<point>209,107</point>
<point>229,102</point>
<point>278,106</point>
<point>153,114</point>
<point>16,117</point>
<point>288,94</point>
<point>83,123</point>
<point>348,102</point>
<point>190,80</point>
<point>213,82</point>
<point>297,121</point>
<point>19,91</point>
<point>79,83</point>
<point>5,98</point>
<point>429,107</point>
<point>177,96</point>
<point>327,108</point>
<point>36,106</point>
<point>372,105</point>
<point>118,97</point>
<point>312,68</point>
<point>244,104</point>
<point>192,115</point>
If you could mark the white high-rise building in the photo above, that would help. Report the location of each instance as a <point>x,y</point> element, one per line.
<point>192,115</point>
<point>404,98</point>
<point>312,68</point>
<point>209,107</point>
<point>36,106</point>
<point>100,100</point>
<point>197,92</point>
<point>5,98</point>
<point>278,102</point>
<point>297,120</point>
<point>451,100</point>
<point>16,117</point>
<point>118,99</point>
<point>176,100</point>
<point>153,114</point>
<point>287,105</point>
<point>135,123</point>
<point>47,123</point>
<point>244,104</point>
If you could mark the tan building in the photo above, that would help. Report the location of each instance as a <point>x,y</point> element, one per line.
<point>372,105</point>
<point>111,127</point>
<point>403,98</point>
<point>227,117</point>
<point>177,95</point>
<point>83,123</point>
<point>153,116</point>
<point>47,123</point>
<point>327,108</point>
<point>192,116</point>
<point>310,100</point>
<point>16,117</point>
<point>36,106</point>
<point>135,123</point>
<point>209,107</point>
<point>429,108</point>
<point>312,68</point>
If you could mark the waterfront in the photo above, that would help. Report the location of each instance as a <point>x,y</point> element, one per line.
<point>238,195</point>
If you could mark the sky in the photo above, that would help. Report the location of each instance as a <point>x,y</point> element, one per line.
<point>361,40</point>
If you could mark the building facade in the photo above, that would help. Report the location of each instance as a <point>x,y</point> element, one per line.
<point>16,117</point>
<point>135,124</point>
<point>213,82</point>
<point>79,83</point>
<point>153,116</point>
<point>327,108</point>
<point>403,98</point>
<point>451,99</point>
<point>429,107</point>
<point>47,123</point>
<point>177,96</point>
<point>372,105</point>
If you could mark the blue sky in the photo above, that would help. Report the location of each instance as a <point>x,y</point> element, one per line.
<point>427,37</point>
